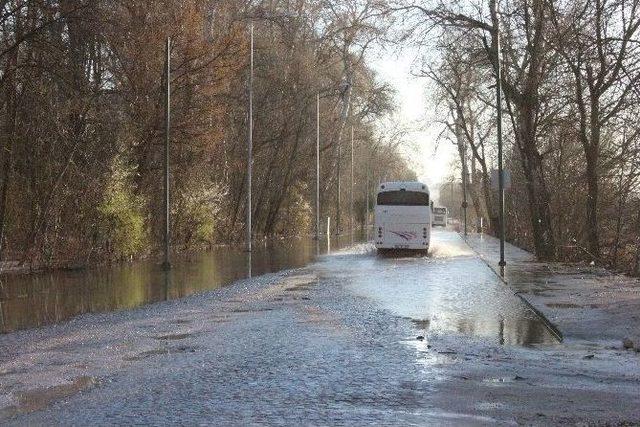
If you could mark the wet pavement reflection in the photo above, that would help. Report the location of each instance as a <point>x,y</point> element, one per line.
<point>450,291</point>
<point>28,301</point>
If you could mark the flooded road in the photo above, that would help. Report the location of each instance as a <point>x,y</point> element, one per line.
<point>450,291</point>
<point>350,339</point>
<point>28,301</point>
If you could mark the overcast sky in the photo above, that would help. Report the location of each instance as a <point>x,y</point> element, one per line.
<point>433,160</point>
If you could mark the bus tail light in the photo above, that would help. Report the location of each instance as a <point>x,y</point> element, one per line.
<point>380,232</point>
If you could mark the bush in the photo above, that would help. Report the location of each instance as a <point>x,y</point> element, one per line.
<point>123,226</point>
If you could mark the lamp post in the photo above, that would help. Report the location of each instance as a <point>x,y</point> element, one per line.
<point>318,166</point>
<point>367,192</point>
<point>250,144</point>
<point>465,204</point>
<point>248,225</point>
<point>166,265</point>
<point>338,185</point>
<point>463,153</point>
<point>499,131</point>
<point>351,190</point>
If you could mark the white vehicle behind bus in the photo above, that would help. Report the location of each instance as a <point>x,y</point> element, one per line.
<point>440,216</point>
<point>402,216</point>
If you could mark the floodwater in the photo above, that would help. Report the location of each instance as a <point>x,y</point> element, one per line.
<point>28,301</point>
<point>334,343</point>
<point>450,292</point>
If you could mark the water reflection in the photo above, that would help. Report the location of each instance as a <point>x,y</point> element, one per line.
<point>451,291</point>
<point>34,300</point>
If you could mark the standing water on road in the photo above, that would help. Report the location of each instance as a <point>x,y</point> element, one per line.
<point>28,301</point>
<point>452,291</point>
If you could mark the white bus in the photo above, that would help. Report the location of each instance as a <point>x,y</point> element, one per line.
<point>440,216</point>
<point>402,216</point>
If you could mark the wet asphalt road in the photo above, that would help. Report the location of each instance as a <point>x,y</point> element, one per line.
<point>354,339</point>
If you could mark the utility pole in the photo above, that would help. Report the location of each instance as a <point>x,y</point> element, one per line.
<point>368,188</point>
<point>318,166</point>
<point>166,265</point>
<point>499,131</point>
<point>338,185</point>
<point>351,192</point>
<point>462,149</point>
<point>250,144</point>
<point>464,184</point>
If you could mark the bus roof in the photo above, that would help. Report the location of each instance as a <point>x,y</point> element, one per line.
<point>403,185</point>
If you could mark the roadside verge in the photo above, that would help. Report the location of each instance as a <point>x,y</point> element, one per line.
<point>583,303</point>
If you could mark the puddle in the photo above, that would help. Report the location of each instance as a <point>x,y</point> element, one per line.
<point>173,337</point>
<point>252,310</point>
<point>503,380</point>
<point>28,301</point>
<point>38,399</point>
<point>160,352</point>
<point>486,406</point>
<point>563,305</point>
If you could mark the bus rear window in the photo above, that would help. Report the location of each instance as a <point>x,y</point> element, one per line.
<point>403,198</point>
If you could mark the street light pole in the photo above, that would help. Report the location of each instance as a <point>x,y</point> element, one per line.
<point>499,131</point>
<point>338,185</point>
<point>166,265</point>
<point>351,191</point>
<point>318,166</point>
<point>250,144</point>
<point>463,150</point>
<point>465,205</point>
<point>368,187</point>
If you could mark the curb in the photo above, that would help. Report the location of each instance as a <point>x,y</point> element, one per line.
<point>553,328</point>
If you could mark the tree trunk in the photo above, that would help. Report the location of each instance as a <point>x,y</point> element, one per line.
<point>539,200</point>
<point>592,204</point>
<point>622,200</point>
<point>592,150</point>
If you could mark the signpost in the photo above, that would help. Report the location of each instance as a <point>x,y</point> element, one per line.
<point>495,180</point>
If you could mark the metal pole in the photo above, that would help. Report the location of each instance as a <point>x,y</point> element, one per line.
<point>463,153</point>
<point>338,185</point>
<point>351,192</point>
<point>250,144</point>
<point>318,166</point>
<point>368,191</point>
<point>249,265</point>
<point>499,130</point>
<point>328,234</point>
<point>167,135</point>
<point>464,184</point>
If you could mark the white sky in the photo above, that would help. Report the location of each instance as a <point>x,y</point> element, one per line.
<point>433,160</point>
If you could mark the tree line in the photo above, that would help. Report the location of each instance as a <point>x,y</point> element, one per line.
<point>570,78</point>
<point>81,122</point>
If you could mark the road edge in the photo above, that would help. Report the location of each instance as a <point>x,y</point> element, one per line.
<point>553,328</point>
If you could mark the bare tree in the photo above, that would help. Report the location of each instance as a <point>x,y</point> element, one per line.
<point>597,41</point>
<point>461,77</point>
